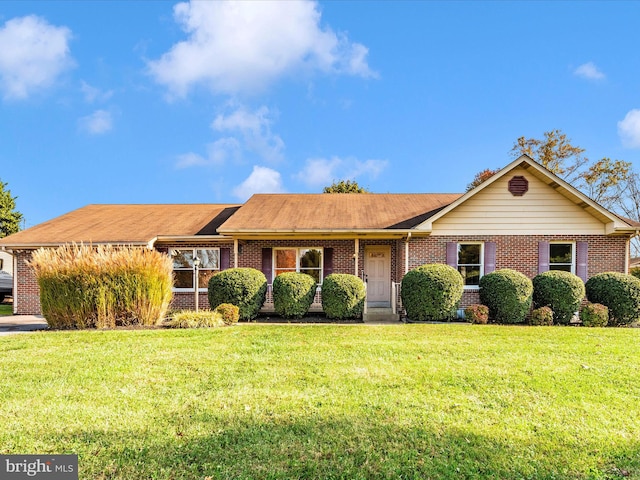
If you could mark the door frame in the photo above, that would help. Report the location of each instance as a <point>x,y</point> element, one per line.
<point>387,249</point>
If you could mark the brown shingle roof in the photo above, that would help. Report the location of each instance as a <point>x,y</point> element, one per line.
<point>124,224</point>
<point>336,211</point>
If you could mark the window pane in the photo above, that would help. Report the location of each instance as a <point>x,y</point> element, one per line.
<point>560,253</point>
<point>469,254</point>
<point>310,258</point>
<point>470,275</point>
<point>559,266</point>
<point>314,273</point>
<point>183,278</point>
<point>182,258</point>
<point>285,259</point>
<point>209,258</point>
<point>204,276</point>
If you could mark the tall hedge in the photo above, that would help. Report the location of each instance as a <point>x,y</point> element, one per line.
<point>561,291</point>
<point>619,292</point>
<point>432,292</point>
<point>343,296</point>
<point>508,294</point>
<point>245,288</point>
<point>293,294</point>
<point>105,286</point>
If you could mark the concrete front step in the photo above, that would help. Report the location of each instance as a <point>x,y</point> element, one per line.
<point>380,315</point>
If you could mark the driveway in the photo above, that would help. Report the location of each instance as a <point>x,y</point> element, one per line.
<point>11,324</point>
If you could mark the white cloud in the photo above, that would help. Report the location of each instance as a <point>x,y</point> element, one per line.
<point>97,123</point>
<point>320,172</point>
<point>629,129</point>
<point>234,47</point>
<point>254,128</point>
<point>261,180</point>
<point>93,94</point>
<point>589,71</point>
<point>33,54</point>
<point>218,153</point>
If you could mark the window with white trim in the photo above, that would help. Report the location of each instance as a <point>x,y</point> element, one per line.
<point>184,269</point>
<point>303,260</point>
<point>470,262</point>
<point>562,257</point>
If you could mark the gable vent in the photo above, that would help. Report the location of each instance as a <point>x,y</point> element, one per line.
<point>518,186</point>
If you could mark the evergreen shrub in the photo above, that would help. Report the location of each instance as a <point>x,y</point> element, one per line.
<point>594,315</point>
<point>541,316</point>
<point>559,290</point>
<point>432,292</point>
<point>244,287</point>
<point>293,294</point>
<point>617,291</point>
<point>508,294</point>
<point>343,296</point>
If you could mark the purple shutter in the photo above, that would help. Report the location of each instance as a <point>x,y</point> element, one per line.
<point>543,257</point>
<point>489,257</point>
<point>452,254</point>
<point>225,258</point>
<point>267,264</point>
<point>327,268</point>
<point>582,255</point>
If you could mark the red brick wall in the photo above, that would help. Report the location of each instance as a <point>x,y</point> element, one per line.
<point>27,298</point>
<point>520,252</point>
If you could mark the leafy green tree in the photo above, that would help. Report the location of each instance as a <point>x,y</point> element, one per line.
<point>345,186</point>
<point>10,218</point>
<point>602,180</point>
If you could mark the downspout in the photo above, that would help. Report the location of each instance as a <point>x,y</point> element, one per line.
<point>235,253</point>
<point>356,255</point>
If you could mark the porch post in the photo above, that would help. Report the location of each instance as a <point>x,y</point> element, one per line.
<point>356,255</point>
<point>235,253</point>
<point>406,254</point>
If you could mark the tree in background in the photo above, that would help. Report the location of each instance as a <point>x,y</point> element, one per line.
<point>481,177</point>
<point>603,180</point>
<point>10,218</point>
<point>345,186</point>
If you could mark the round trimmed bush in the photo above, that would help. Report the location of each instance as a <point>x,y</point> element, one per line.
<point>230,314</point>
<point>508,294</point>
<point>244,287</point>
<point>617,291</point>
<point>561,291</point>
<point>343,296</point>
<point>541,316</point>
<point>432,292</point>
<point>293,294</point>
<point>594,315</point>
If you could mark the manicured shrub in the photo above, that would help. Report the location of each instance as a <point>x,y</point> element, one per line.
<point>432,292</point>
<point>619,292</point>
<point>594,315</point>
<point>508,294</point>
<point>635,271</point>
<point>244,287</point>
<point>193,319</point>
<point>230,314</point>
<point>293,294</point>
<point>105,286</point>
<point>559,290</point>
<point>477,314</point>
<point>343,296</point>
<point>541,316</point>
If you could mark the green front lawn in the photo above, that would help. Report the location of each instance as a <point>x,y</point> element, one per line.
<point>331,401</point>
<point>6,310</point>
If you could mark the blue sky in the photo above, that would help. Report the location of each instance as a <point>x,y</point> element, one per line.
<point>209,102</point>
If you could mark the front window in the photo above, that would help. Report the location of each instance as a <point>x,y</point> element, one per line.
<point>184,267</point>
<point>561,257</point>
<point>470,263</point>
<point>303,260</point>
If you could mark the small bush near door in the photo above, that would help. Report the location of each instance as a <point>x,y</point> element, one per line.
<point>293,294</point>
<point>477,314</point>
<point>343,296</point>
<point>594,315</point>
<point>541,316</point>
<point>432,292</point>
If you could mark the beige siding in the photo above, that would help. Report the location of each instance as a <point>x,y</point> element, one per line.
<point>540,211</point>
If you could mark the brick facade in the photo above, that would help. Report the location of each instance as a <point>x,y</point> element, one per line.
<point>606,253</point>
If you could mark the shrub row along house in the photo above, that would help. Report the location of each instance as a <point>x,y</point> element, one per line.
<point>523,218</point>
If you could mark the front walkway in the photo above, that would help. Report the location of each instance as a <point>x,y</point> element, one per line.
<point>11,324</point>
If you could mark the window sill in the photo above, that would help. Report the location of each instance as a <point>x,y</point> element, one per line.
<point>471,288</point>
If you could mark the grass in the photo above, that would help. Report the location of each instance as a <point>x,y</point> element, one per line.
<point>332,401</point>
<point>6,310</point>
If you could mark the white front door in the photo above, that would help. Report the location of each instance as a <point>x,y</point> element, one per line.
<point>377,270</point>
